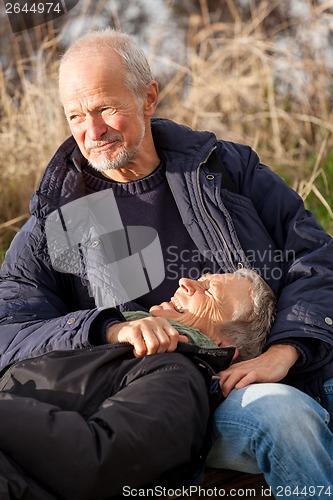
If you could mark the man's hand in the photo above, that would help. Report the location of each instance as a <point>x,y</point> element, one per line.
<point>271,366</point>
<point>147,335</point>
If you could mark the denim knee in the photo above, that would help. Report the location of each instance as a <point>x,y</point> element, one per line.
<point>266,417</point>
<point>274,408</point>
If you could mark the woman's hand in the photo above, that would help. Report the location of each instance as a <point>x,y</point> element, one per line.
<point>148,335</point>
<point>271,366</point>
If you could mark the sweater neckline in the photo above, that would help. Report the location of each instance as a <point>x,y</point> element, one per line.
<point>96,181</point>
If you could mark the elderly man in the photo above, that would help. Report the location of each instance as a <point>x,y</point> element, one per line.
<point>202,196</point>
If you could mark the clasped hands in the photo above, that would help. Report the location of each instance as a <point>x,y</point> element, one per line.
<point>147,335</point>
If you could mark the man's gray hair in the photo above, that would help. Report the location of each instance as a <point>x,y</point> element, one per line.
<point>249,326</point>
<point>137,70</point>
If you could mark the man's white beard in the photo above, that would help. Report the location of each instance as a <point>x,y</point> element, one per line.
<point>124,157</point>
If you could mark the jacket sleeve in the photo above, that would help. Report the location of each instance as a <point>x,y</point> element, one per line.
<point>304,310</point>
<point>39,309</point>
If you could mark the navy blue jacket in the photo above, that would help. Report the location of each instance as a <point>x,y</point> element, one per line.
<point>263,224</point>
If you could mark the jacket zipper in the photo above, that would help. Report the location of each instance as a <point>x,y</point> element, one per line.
<point>209,216</point>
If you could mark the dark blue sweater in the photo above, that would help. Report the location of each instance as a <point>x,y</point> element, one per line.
<point>149,202</point>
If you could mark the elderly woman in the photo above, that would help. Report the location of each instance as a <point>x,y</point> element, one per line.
<point>220,310</point>
<point>106,416</point>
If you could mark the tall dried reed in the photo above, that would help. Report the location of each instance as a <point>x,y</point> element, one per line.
<point>31,126</point>
<point>271,92</point>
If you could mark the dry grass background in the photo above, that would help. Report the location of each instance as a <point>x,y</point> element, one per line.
<point>237,81</point>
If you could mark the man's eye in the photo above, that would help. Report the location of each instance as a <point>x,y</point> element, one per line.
<point>75,118</point>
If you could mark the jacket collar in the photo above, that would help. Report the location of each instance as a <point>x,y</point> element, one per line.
<point>178,146</point>
<point>61,182</point>
<point>174,141</point>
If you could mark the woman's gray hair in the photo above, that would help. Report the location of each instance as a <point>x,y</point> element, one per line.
<point>249,326</point>
<point>137,70</point>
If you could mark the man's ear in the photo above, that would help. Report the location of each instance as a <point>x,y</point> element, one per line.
<point>151,99</point>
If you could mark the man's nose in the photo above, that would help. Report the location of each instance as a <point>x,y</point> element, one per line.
<point>96,127</point>
<point>187,285</point>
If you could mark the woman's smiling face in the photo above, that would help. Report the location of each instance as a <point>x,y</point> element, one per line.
<point>206,302</point>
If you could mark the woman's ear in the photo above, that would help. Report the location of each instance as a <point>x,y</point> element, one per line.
<point>235,355</point>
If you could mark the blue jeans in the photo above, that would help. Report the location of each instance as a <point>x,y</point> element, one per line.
<point>281,432</point>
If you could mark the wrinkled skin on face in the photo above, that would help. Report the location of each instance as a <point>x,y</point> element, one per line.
<point>109,123</point>
<point>206,303</point>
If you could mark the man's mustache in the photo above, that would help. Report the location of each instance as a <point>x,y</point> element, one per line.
<point>106,140</point>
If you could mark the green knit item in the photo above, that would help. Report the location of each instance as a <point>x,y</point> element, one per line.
<point>193,334</point>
